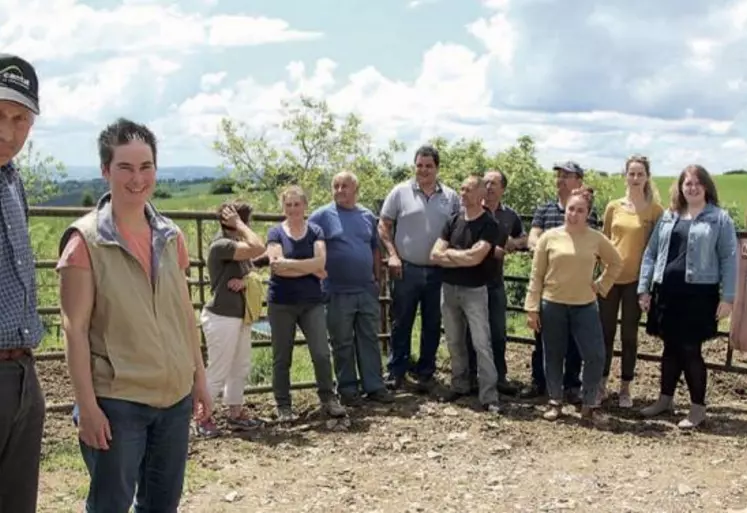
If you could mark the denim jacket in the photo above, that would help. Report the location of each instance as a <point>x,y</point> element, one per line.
<point>711,251</point>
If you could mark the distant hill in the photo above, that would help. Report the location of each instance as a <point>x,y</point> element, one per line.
<point>164,173</point>
<point>72,191</point>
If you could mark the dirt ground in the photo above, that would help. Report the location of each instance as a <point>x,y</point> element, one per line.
<point>422,455</point>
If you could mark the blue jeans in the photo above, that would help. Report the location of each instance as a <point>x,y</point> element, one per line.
<point>497,319</point>
<point>353,326</point>
<point>419,285</point>
<point>571,377</point>
<point>147,454</point>
<point>561,323</point>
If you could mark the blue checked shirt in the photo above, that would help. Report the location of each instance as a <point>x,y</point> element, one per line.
<point>20,325</point>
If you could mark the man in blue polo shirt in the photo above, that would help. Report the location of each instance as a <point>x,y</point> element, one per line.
<point>353,311</point>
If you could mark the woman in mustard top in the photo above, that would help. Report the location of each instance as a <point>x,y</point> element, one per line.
<point>628,222</point>
<point>562,299</point>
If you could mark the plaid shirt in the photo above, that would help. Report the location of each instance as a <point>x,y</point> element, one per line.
<point>20,325</point>
<point>551,215</point>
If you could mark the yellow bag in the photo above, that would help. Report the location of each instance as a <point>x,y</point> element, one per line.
<point>253,295</point>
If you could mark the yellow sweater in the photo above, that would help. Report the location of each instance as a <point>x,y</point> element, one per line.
<point>563,268</point>
<point>629,233</point>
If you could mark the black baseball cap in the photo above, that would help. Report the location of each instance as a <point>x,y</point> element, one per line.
<point>18,82</point>
<point>569,167</point>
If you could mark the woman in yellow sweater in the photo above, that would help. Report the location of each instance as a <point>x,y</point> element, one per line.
<point>628,223</point>
<point>562,299</point>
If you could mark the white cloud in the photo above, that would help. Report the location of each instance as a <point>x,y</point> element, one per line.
<point>592,81</point>
<point>53,29</point>
<point>211,80</point>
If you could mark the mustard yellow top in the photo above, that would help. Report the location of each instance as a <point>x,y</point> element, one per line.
<point>563,268</point>
<point>629,232</point>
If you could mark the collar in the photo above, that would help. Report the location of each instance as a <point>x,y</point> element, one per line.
<point>709,207</point>
<point>416,186</point>
<point>107,229</point>
<point>9,170</point>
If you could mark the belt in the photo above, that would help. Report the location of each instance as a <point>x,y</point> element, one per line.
<point>13,354</point>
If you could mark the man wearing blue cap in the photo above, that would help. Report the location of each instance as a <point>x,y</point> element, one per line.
<point>568,176</point>
<point>22,411</point>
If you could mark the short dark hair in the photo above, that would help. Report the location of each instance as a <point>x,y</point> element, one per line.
<point>121,132</point>
<point>504,178</point>
<point>243,209</point>
<point>427,150</point>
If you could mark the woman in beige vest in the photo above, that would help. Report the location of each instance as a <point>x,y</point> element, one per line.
<point>133,349</point>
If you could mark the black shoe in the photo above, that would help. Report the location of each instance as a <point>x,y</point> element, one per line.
<point>381,396</point>
<point>532,392</point>
<point>351,400</point>
<point>425,384</point>
<point>573,396</point>
<point>395,383</point>
<point>506,388</point>
<point>452,395</point>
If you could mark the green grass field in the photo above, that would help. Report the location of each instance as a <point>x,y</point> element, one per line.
<point>45,234</point>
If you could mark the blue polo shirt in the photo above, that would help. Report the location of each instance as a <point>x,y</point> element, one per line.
<point>351,238</point>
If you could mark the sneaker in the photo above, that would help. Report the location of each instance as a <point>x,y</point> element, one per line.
<point>425,384</point>
<point>207,428</point>
<point>243,422</point>
<point>381,396</point>
<point>493,408</point>
<point>285,414</point>
<point>554,411</point>
<point>625,400</point>
<point>334,408</point>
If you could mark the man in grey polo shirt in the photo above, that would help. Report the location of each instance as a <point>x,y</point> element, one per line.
<point>21,401</point>
<point>412,219</point>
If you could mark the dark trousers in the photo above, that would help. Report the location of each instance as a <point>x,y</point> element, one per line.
<point>419,285</point>
<point>684,357</point>
<point>625,296</point>
<point>22,411</point>
<point>571,376</point>
<point>497,316</point>
<point>146,459</point>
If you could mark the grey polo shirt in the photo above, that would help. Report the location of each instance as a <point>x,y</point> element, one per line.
<point>418,219</point>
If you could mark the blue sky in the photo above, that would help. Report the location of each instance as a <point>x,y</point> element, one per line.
<point>592,81</point>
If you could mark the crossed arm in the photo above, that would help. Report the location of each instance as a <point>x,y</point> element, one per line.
<point>292,268</point>
<point>444,256</point>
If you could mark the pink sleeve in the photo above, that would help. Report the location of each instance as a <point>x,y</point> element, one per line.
<point>75,253</point>
<point>181,248</point>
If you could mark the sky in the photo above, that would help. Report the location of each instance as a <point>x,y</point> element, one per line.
<point>588,80</point>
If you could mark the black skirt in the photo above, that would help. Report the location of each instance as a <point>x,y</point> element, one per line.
<point>686,313</point>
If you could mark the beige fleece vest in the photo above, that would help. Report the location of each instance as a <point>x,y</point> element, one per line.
<point>141,349</point>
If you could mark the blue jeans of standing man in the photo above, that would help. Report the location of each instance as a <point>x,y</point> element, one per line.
<point>353,325</point>
<point>147,453</point>
<point>497,317</point>
<point>579,322</point>
<point>418,285</point>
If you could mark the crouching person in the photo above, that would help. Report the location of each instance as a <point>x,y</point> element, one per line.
<point>465,251</point>
<point>562,299</point>
<point>133,348</point>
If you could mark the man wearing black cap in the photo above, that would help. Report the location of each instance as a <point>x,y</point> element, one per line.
<point>568,176</point>
<point>22,411</point>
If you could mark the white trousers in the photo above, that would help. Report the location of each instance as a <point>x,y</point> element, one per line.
<point>229,348</point>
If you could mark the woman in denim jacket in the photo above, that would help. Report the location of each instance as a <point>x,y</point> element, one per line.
<point>690,263</point>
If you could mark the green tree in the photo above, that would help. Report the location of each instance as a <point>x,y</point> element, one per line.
<point>88,200</point>
<point>40,174</point>
<point>318,144</point>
